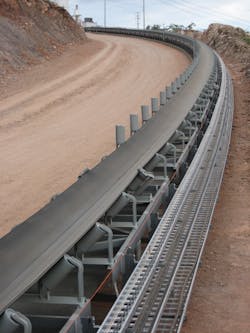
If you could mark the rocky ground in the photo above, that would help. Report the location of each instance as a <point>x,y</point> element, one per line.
<point>232,43</point>
<point>220,301</point>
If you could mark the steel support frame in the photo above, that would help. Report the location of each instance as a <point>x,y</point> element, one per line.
<point>120,315</point>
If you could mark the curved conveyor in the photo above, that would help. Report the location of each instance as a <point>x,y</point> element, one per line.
<point>33,247</point>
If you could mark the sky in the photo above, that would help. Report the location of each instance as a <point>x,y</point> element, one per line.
<point>122,13</point>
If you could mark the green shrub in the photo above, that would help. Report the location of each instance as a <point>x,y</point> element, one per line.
<point>247,39</point>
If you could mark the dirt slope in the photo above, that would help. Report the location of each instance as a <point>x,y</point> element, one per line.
<point>33,30</point>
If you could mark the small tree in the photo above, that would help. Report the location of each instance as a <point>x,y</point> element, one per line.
<point>191,26</point>
<point>156,27</point>
<point>175,27</point>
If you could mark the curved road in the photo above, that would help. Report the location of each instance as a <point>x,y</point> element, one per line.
<point>59,124</point>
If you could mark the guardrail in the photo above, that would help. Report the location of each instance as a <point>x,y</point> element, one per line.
<point>105,229</point>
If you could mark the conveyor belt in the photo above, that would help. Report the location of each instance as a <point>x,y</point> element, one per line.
<point>34,246</point>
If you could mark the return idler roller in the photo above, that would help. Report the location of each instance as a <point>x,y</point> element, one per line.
<point>141,181</point>
<point>157,160</point>
<point>90,239</point>
<point>120,203</point>
<point>58,273</point>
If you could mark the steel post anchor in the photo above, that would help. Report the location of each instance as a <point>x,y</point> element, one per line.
<point>164,161</point>
<point>134,205</point>
<point>129,265</point>
<point>12,321</point>
<point>109,232</point>
<point>154,221</point>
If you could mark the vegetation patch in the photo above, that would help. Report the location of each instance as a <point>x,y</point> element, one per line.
<point>246,39</point>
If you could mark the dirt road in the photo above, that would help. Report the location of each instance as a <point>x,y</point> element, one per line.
<point>59,118</point>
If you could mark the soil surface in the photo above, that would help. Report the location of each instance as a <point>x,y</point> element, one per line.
<point>59,117</point>
<point>220,301</point>
<point>32,31</point>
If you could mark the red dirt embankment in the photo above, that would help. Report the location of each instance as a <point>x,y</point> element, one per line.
<point>33,30</point>
<point>231,43</point>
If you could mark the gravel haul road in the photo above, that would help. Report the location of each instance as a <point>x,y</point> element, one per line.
<point>58,118</point>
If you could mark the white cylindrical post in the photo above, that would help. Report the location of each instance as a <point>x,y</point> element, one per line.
<point>168,93</point>
<point>145,113</point>
<point>162,97</point>
<point>134,123</point>
<point>120,135</point>
<point>174,87</point>
<point>154,105</point>
<point>178,82</point>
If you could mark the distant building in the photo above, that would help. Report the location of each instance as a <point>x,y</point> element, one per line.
<point>88,22</point>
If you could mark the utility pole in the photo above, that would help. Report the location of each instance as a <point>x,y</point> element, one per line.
<point>77,15</point>
<point>138,20</point>
<point>144,15</point>
<point>105,13</point>
<point>163,27</point>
